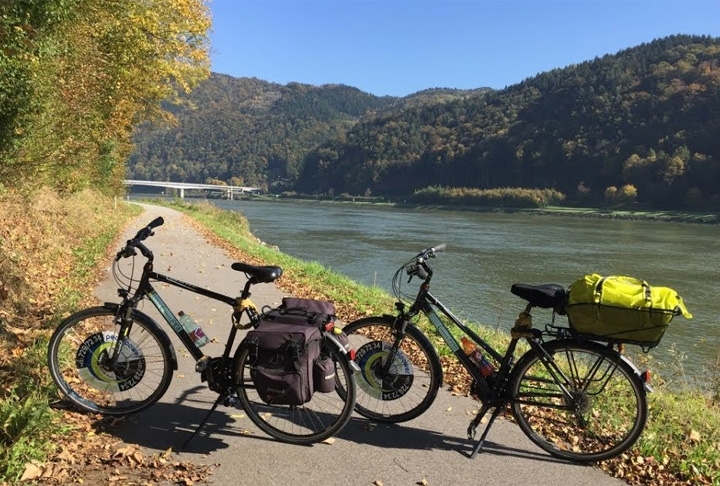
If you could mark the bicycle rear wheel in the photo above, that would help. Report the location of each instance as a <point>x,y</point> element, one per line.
<point>412,383</point>
<point>591,408</point>
<point>320,418</point>
<point>78,357</point>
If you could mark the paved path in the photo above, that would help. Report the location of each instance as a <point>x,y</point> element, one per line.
<point>432,447</point>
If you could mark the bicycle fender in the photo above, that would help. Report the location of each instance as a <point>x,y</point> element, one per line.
<point>332,339</point>
<point>638,373</point>
<point>150,323</point>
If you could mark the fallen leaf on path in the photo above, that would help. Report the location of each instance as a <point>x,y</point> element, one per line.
<point>32,471</point>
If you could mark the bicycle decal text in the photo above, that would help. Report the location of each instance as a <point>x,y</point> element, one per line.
<point>162,307</point>
<point>396,383</point>
<point>92,361</point>
<point>443,330</point>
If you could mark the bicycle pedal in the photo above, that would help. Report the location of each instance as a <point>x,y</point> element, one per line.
<point>231,400</point>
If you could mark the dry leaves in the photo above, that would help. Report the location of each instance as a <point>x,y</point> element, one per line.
<point>97,457</point>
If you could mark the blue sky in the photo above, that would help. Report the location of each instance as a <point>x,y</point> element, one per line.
<point>398,47</point>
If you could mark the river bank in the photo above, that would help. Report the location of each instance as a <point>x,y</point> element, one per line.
<point>688,217</point>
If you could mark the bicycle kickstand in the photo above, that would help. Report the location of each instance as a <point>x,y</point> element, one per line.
<point>221,397</point>
<point>476,421</point>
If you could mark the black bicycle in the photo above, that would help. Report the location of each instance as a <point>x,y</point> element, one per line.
<point>577,399</point>
<point>115,360</point>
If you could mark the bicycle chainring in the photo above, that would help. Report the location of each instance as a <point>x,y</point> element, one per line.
<point>218,375</point>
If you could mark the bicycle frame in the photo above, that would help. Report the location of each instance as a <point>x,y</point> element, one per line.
<point>496,395</point>
<point>146,289</point>
<point>428,304</point>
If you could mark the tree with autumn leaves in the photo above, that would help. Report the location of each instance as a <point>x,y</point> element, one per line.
<point>77,76</point>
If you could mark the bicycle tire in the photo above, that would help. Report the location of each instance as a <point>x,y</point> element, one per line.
<point>317,420</point>
<point>605,415</point>
<point>83,341</point>
<point>415,377</point>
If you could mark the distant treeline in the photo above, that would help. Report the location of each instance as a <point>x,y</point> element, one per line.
<point>500,197</point>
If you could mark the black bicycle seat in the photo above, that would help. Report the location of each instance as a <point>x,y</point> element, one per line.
<point>545,296</point>
<point>259,274</point>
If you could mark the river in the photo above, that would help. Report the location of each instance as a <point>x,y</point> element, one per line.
<point>488,252</point>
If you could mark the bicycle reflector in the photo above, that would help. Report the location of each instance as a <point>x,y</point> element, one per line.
<point>645,377</point>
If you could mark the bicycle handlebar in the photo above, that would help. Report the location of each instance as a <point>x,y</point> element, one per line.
<point>430,252</point>
<point>420,268</point>
<point>129,249</point>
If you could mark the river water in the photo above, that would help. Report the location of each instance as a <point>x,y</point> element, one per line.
<point>488,252</point>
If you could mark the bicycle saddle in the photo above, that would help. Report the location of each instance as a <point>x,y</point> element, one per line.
<point>259,274</point>
<point>545,296</point>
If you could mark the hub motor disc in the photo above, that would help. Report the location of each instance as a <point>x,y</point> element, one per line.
<point>371,358</point>
<point>92,361</point>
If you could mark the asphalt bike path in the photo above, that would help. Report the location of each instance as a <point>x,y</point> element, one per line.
<point>432,448</point>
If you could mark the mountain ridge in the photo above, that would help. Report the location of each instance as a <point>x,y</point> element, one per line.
<point>641,121</point>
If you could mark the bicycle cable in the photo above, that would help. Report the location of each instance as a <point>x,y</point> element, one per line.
<point>124,280</point>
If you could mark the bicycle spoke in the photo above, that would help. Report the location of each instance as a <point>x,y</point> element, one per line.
<point>594,409</point>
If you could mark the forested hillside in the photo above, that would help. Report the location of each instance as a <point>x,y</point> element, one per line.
<point>251,132</point>
<point>637,126</point>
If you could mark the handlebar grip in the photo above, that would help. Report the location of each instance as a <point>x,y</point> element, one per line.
<point>440,247</point>
<point>147,230</point>
<point>156,222</point>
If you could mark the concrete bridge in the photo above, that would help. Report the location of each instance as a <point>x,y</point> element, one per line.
<point>229,191</point>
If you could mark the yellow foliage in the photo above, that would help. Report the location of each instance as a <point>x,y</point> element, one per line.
<point>111,65</point>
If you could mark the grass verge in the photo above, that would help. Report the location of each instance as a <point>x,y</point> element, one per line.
<point>50,247</point>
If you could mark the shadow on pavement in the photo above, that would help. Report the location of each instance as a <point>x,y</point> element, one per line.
<point>166,425</point>
<point>403,436</point>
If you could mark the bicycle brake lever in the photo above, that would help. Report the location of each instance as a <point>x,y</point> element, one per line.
<point>126,252</point>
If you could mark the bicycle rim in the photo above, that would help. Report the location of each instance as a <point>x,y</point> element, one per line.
<point>598,415</point>
<point>78,356</point>
<point>320,418</point>
<point>414,378</point>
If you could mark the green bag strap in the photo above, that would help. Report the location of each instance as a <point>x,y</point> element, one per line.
<point>647,290</point>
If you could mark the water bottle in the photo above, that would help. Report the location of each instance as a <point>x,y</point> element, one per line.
<point>193,329</point>
<point>486,368</point>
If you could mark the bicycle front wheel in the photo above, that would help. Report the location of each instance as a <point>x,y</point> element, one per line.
<point>79,355</point>
<point>319,419</point>
<point>583,402</point>
<point>410,385</point>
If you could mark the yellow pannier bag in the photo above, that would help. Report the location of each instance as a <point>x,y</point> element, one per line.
<point>622,309</point>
